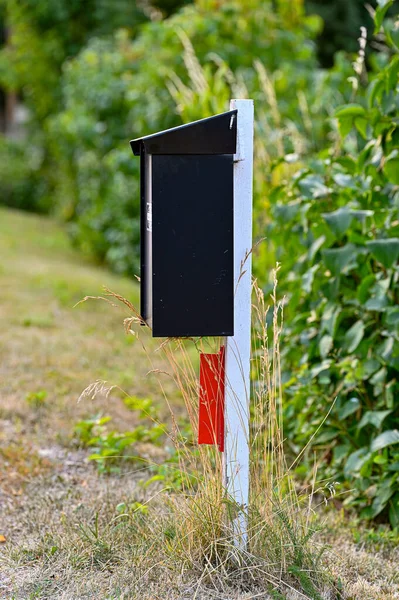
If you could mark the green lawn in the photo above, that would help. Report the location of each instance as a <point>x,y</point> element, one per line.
<point>58,515</point>
<point>49,345</point>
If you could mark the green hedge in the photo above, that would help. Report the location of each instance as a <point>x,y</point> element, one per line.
<point>336,233</point>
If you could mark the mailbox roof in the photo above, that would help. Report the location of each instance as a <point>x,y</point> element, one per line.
<point>214,135</point>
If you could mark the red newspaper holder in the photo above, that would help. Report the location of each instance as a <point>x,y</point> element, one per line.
<point>211,401</point>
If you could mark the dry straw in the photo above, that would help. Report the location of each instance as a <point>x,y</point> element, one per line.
<point>281,554</point>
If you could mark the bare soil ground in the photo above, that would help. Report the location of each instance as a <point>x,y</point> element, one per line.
<point>58,516</point>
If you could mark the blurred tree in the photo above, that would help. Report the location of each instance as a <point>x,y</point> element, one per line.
<point>42,36</point>
<point>44,33</point>
<point>342,21</point>
<point>168,7</point>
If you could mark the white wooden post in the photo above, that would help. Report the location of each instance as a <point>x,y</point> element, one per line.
<point>238,347</point>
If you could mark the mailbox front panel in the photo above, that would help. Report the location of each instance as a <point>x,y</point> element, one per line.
<point>192,245</point>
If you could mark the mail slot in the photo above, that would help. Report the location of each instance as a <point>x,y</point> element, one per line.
<point>186,174</point>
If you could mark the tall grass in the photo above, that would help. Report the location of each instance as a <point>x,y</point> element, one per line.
<point>281,556</point>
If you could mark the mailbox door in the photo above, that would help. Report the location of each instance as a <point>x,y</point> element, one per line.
<point>192,245</point>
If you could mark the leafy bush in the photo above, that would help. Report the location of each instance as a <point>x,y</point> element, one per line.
<point>20,186</point>
<point>336,232</point>
<point>117,89</point>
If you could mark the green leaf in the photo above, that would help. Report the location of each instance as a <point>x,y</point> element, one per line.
<point>354,336</point>
<point>312,186</point>
<point>392,81</point>
<point>349,408</point>
<point>336,259</point>
<point>345,125</point>
<point>374,92</point>
<point>338,220</point>
<point>379,376</point>
<point>361,215</point>
<point>287,212</point>
<point>363,289</point>
<point>394,35</point>
<point>389,394</point>
<point>380,13</point>
<point>349,114</point>
<point>340,452</point>
<point>315,247</point>
<point>394,511</point>
<point>327,436</point>
<point>384,350</point>
<point>373,417</point>
<point>391,170</point>
<point>384,493</point>
<point>368,367</point>
<point>356,461</point>
<point>392,316</point>
<point>380,459</point>
<point>392,359</point>
<point>377,303</point>
<point>320,367</point>
<point>361,126</point>
<point>345,181</point>
<point>329,318</point>
<point>348,163</point>
<point>385,251</point>
<point>308,278</point>
<point>325,345</point>
<point>387,438</point>
<point>350,110</point>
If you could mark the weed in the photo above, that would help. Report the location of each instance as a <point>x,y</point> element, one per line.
<point>87,429</point>
<point>36,400</point>
<point>144,406</point>
<point>41,321</point>
<point>377,538</point>
<point>102,550</point>
<point>172,473</point>
<point>133,507</point>
<point>111,448</point>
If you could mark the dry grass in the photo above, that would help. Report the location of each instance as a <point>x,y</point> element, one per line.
<point>279,557</point>
<point>68,535</point>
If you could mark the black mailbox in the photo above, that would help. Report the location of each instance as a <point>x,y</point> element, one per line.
<point>187,190</point>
